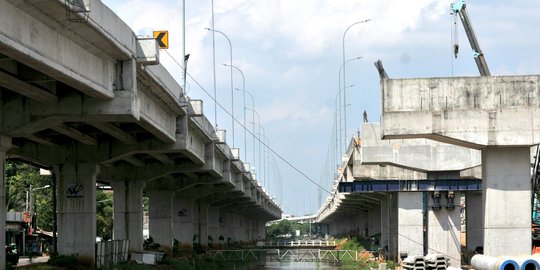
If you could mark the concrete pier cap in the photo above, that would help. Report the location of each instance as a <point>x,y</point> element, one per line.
<point>415,154</point>
<point>474,112</point>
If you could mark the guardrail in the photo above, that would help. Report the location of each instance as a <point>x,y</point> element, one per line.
<point>300,243</point>
<point>264,255</point>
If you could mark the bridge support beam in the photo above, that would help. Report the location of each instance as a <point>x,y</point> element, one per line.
<point>128,213</point>
<point>410,218</point>
<point>474,220</point>
<point>183,220</point>
<point>160,214</point>
<point>77,210</point>
<point>5,144</point>
<point>444,227</point>
<point>507,201</point>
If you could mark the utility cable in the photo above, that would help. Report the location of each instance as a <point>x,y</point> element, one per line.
<point>251,133</point>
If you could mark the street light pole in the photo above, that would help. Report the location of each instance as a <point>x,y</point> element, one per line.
<point>244,98</point>
<point>214,65</point>
<point>344,81</point>
<point>253,112</point>
<point>341,107</point>
<point>261,138</point>
<point>259,124</point>
<point>232,87</point>
<point>184,43</point>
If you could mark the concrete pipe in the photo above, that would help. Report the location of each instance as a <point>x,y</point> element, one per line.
<point>483,262</point>
<point>528,264</point>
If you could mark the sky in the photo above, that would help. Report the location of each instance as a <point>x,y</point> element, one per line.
<point>290,52</point>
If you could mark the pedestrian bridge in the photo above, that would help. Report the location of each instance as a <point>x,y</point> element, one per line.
<point>298,243</point>
<point>287,255</point>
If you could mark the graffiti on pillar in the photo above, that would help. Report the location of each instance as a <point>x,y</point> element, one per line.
<point>182,212</point>
<point>74,190</point>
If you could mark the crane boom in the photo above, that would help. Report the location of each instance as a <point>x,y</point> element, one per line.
<point>460,8</point>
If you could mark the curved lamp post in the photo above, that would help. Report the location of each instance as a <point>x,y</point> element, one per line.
<point>232,87</point>
<point>344,81</point>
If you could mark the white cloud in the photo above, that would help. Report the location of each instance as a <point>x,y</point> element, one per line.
<point>290,52</point>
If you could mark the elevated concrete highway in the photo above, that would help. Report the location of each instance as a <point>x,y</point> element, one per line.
<point>90,100</point>
<point>401,215</point>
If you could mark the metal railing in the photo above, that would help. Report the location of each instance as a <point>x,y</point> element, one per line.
<point>300,243</point>
<point>296,255</point>
<point>111,253</point>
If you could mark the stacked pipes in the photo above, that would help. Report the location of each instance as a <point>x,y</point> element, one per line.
<point>436,262</point>
<point>483,262</point>
<point>414,263</point>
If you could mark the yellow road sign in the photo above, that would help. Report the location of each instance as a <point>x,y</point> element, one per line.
<point>162,38</point>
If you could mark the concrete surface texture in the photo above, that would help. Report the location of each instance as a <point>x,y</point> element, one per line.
<point>411,224</point>
<point>469,111</point>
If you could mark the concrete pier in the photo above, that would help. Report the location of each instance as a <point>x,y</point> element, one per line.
<point>444,227</point>
<point>507,201</point>
<point>128,213</point>
<point>183,220</point>
<point>474,216</point>
<point>200,219</point>
<point>77,210</point>
<point>160,215</point>
<point>5,144</point>
<point>411,226</point>
<point>213,225</point>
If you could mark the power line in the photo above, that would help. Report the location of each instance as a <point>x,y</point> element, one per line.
<point>245,128</point>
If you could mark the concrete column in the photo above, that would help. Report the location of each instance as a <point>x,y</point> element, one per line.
<point>225,228</point>
<point>374,221</point>
<point>128,213</point>
<point>444,229</point>
<point>5,144</point>
<point>261,230</point>
<point>241,228</point>
<point>410,230</point>
<point>253,229</point>
<point>393,227</point>
<point>474,217</point>
<point>507,201</point>
<point>332,228</point>
<point>160,215</point>
<point>77,210</point>
<point>183,220</point>
<point>213,224</point>
<point>385,222</point>
<point>233,231</point>
<point>200,217</point>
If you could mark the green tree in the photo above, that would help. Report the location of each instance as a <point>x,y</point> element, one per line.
<point>104,213</point>
<point>281,228</point>
<point>19,177</point>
